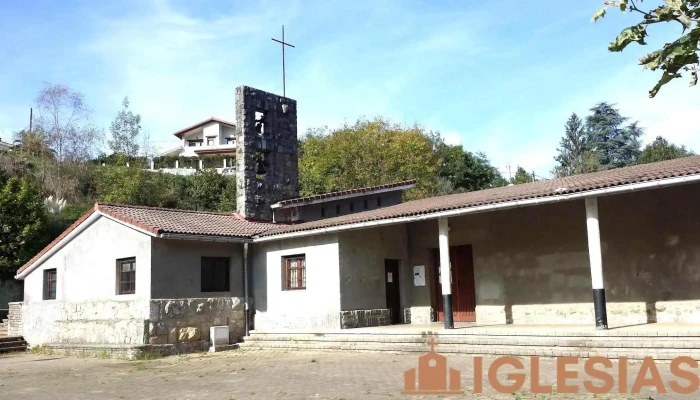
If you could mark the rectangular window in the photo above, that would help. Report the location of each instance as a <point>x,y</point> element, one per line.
<point>379,201</point>
<point>230,140</point>
<point>50,284</point>
<point>210,141</point>
<point>126,276</point>
<point>352,207</point>
<point>215,274</point>
<point>294,272</point>
<point>194,142</point>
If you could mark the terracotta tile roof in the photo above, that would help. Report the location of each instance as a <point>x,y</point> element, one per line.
<point>206,121</point>
<point>162,220</point>
<point>547,188</point>
<point>168,220</point>
<point>332,195</point>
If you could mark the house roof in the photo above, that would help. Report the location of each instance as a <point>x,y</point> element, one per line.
<point>346,193</point>
<point>206,121</point>
<point>541,189</point>
<point>163,221</point>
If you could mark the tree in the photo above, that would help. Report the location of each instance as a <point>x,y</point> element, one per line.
<point>125,130</point>
<point>465,171</point>
<point>23,223</point>
<point>673,57</point>
<point>572,148</point>
<point>207,188</point>
<point>614,144</point>
<point>661,150</point>
<point>64,118</point>
<point>368,153</point>
<point>521,176</point>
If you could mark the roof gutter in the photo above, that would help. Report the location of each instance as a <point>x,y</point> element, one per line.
<point>205,238</point>
<point>486,208</point>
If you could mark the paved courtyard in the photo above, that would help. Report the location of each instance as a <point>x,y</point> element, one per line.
<point>253,375</point>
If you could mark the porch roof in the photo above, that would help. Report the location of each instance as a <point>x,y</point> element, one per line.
<point>597,183</point>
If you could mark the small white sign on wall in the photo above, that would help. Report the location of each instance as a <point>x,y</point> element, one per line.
<point>389,277</point>
<point>419,275</point>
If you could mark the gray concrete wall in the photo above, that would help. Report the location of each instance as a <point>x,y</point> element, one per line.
<point>312,212</point>
<point>176,268</point>
<point>318,306</point>
<point>531,264</point>
<point>86,266</point>
<point>362,255</point>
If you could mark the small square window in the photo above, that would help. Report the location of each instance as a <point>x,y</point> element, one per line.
<point>126,276</point>
<point>294,268</point>
<point>352,207</point>
<point>379,201</point>
<point>210,141</point>
<point>215,274</point>
<point>50,284</point>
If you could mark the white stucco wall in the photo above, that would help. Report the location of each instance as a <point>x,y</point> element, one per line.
<point>86,266</point>
<point>177,268</point>
<point>316,307</point>
<point>87,308</point>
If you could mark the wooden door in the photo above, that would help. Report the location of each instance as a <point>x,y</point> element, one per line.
<point>393,298</point>
<point>463,292</point>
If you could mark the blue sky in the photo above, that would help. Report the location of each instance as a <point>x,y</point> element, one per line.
<point>497,78</point>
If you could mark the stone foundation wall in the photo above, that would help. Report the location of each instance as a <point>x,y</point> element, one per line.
<point>14,327</point>
<point>364,318</point>
<point>181,321</point>
<point>89,322</point>
<point>583,313</point>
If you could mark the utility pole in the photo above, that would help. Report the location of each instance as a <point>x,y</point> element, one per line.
<point>31,118</point>
<point>533,176</point>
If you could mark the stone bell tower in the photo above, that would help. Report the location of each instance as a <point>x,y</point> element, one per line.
<point>266,151</point>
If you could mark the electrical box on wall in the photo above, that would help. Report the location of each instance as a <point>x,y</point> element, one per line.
<point>419,275</point>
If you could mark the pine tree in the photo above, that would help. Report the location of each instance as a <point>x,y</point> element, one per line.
<point>615,145</point>
<point>572,149</point>
<point>661,150</point>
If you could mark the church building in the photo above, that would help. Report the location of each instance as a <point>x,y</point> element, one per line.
<point>612,247</point>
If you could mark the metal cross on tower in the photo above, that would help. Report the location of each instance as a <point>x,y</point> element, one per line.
<point>284,91</point>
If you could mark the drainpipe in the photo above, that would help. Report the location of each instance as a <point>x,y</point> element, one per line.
<point>245,287</point>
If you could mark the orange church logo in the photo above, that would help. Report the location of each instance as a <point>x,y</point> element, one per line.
<point>433,376</point>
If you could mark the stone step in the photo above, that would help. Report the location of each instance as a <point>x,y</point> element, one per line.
<point>530,351</point>
<point>11,339</point>
<point>12,344</point>
<point>17,343</point>
<point>538,341</point>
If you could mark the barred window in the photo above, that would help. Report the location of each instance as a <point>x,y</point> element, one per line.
<point>295,272</point>
<point>126,276</point>
<point>50,284</point>
<point>215,274</point>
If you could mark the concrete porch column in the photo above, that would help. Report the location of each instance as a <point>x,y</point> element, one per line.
<point>445,271</point>
<point>596,260</point>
